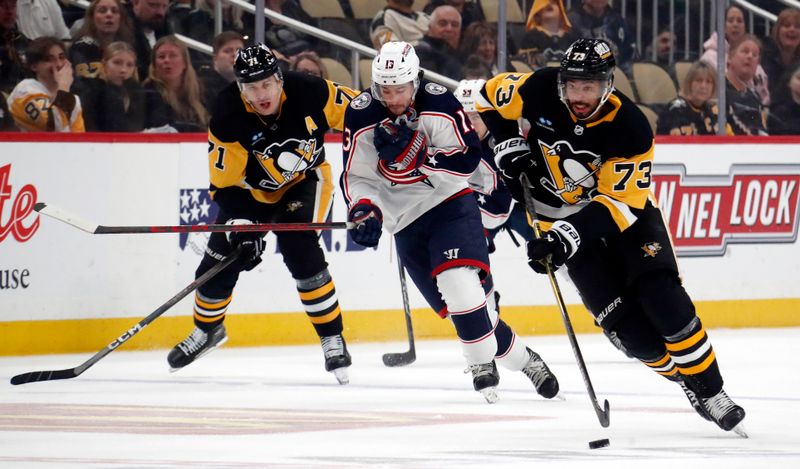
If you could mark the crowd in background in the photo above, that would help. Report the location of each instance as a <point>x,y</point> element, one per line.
<point>118,67</point>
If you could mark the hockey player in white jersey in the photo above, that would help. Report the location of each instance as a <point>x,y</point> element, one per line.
<point>409,150</point>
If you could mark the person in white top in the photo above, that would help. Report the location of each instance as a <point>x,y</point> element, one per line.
<point>37,18</point>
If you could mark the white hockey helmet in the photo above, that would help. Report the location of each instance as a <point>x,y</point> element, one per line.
<point>396,63</point>
<point>467,92</point>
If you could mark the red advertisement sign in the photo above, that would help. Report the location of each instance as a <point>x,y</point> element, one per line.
<point>14,214</point>
<point>751,204</point>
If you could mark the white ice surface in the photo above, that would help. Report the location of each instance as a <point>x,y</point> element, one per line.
<point>277,407</point>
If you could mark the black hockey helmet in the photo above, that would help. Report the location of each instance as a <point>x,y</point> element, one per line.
<point>254,63</point>
<point>588,59</point>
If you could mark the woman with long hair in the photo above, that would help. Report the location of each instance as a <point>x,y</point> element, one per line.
<point>172,90</point>
<point>782,51</point>
<point>106,21</point>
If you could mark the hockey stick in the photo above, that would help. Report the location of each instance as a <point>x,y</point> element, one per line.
<point>74,372</point>
<point>602,414</point>
<point>93,228</point>
<point>403,358</point>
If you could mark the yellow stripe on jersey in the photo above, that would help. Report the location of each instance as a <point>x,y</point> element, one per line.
<point>688,342</point>
<point>503,94</point>
<point>30,113</point>
<point>212,306</point>
<point>339,97</point>
<point>616,104</point>
<point>325,193</point>
<point>627,179</point>
<point>622,215</point>
<point>326,318</point>
<point>226,162</point>
<point>317,293</point>
<point>703,366</point>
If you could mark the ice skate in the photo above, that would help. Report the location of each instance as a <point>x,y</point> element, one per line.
<point>695,401</point>
<point>195,346</point>
<point>725,413</point>
<point>540,375</point>
<point>337,358</point>
<point>485,379</point>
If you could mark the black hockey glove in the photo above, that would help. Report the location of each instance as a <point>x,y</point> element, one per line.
<point>513,157</point>
<point>400,149</point>
<point>369,222</point>
<point>252,244</point>
<point>556,246</point>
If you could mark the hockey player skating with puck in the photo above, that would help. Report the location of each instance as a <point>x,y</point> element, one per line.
<point>408,152</point>
<point>267,164</point>
<point>589,156</point>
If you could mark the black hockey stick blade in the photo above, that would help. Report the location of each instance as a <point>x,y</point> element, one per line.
<point>68,373</point>
<point>403,358</point>
<point>93,228</point>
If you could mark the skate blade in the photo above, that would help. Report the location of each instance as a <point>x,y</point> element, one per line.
<point>209,350</point>
<point>341,375</point>
<point>560,396</point>
<point>490,394</point>
<point>739,430</point>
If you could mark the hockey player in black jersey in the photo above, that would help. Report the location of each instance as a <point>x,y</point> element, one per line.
<point>589,157</point>
<point>267,165</point>
<point>409,150</point>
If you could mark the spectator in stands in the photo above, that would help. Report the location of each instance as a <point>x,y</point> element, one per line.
<point>548,34</point>
<point>219,73</point>
<point>469,10</point>
<point>149,25</point>
<point>781,51</point>
<point>784,116</point>
<point>12,47</point>
<point>37,18</point>
<point>199,23</point>
<point>284,39</point>
<point>438,49</point>
<point>744,109</point>
<point>475,69</point>
<point>596,19</point>
<point>106,21</point>
<point>398,22</point>
<point>310,63</point>
<point>6,119</point>
<point>480,40</point>
<point>734,31</point>
<point>172,90</point>
<point>693,112</point>
<point>44,103</point>
<point>113,102</point>
<point>663,44</point>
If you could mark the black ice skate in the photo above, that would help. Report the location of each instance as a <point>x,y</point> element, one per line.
<point>337,358</point>
<point>195,346</point>
<point>540,375</point>
<point>485,379</point>
<point>695,401</point>
<point>725,413</point>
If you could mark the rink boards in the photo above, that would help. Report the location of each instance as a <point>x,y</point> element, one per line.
<point>734,223</point>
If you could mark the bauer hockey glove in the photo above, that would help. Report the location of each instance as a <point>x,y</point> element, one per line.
<point>400,149</point>
<point>513,157</point>
<point>555,246</point>
<point>252,244</point>
<point>369,222</point>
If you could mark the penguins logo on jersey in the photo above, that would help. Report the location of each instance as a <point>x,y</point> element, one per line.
<point>651,249</point>
<point>572,173</point>
<point>284,161</point>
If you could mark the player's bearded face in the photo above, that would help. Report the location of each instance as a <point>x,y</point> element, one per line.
<point>263,95</point>
<point>397,98</point>
<point>583,96</point>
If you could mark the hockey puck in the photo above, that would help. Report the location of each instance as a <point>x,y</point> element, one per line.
<point>599,443</point>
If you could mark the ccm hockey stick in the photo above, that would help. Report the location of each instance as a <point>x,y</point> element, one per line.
<point>403,358</point>
<point>93,228</point>
<point>74,372</point>
<point>603,414</point>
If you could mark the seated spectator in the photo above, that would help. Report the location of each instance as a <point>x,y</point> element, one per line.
<point>106,21</point>
<point>199,24</point>
<point>693,112</point>
<point>734,31</point>
<point>398,22</point>
<point>220,73</point>
<point>44,103</point>
<point>172,90</point>
<point>274,29</point>
<point>784,117</point>
<point>745,113</point>
<point>39,18</point>
<point>781,50</point>
<point>114,102</point>
<point>549,34</point>
<point>310,63</point>
<point>475,69</point>
<point>438,49</point>
<point>469,10</point>
<point>480,39</point>
<point>663,44</point>
<point>596,19</point>
<point>12,47</point>
<point>149,18</point>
